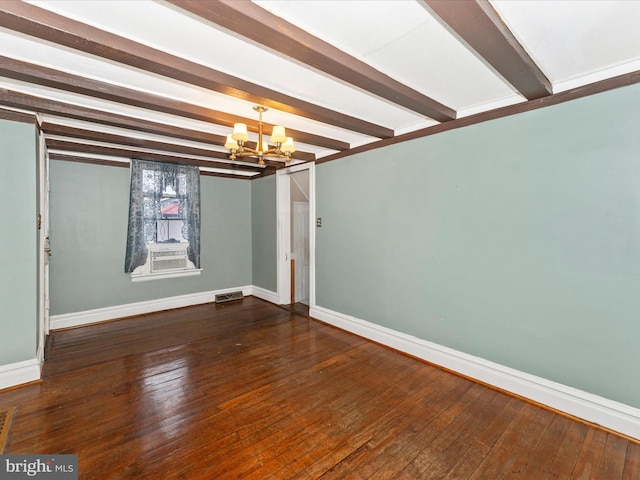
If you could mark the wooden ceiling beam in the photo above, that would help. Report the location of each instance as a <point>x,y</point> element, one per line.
<point>131,152</point>
<point>23,101</point>
<point>66,110</point>
<point>624,80</point>
<point>50,128</point>
<point>249,20</point>
<point>39,75</point>
<point>479,26</point>
<point>40,23</point>
<point>17,116</point>
<point>112,163</point>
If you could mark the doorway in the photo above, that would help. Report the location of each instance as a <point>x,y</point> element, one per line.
<point>296,236</point>
<point>300,252</point>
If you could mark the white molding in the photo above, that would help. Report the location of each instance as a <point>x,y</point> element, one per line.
<point>77,319</point>
<point>283,218</point>
<point>17,373</point>
<point>265,294</point>
<point>283,225</point>
<point>40,353</point>
<point>578,403</point>
<point>145,277</point>
<point>312,233</point>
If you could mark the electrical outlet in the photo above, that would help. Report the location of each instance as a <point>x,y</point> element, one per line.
<point>318,222</point>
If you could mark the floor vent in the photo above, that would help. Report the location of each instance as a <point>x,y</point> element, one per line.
<point>5,421</point>
<point>229,297</point>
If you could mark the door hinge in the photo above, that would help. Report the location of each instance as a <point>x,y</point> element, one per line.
<point>39,221</point>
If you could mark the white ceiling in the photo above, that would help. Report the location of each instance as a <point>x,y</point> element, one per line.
<point>574,43</point>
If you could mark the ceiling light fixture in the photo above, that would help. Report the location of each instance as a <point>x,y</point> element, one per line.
<point>236,142</point>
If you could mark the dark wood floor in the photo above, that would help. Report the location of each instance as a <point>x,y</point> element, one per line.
<point>250,390</point>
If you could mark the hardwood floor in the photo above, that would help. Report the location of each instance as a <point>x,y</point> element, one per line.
<point>251,390</point>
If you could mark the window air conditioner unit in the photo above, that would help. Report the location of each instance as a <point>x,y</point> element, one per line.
<point>163,261</point>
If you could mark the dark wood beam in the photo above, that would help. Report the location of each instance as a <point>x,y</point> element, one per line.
<point>249,20</point>
<point>49,77</point>
<point>17,116</point>
<point>481,28</point>
<point>130,152</point>
<point>111,163</point>
<point>66,110</point>
<point>620,81</point>
<point>50,128</point>
<point>41,23</point>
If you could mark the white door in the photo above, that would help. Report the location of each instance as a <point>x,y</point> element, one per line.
<point>301,250</point>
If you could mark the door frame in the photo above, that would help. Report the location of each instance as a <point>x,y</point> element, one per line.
<point>43,246</point>
<point>283,214</point>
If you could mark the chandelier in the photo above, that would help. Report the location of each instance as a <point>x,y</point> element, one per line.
<point>282,146</point>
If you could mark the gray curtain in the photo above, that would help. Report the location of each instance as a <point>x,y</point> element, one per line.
<point>148,182</point>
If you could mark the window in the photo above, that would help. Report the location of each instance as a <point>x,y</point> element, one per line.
<point>168,223</point>
<point>164,220</point>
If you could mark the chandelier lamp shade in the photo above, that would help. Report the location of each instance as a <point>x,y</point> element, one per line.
<point>281,145</point>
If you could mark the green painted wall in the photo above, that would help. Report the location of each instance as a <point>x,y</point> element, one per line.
<point>515,240</point>
<point>264,232</point>
<point>18,242</point>
<point>89,209</point>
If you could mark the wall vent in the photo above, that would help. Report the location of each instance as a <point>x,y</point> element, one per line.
<point>228,297</point>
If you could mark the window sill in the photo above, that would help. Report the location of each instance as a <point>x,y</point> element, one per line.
<point>145,277</point>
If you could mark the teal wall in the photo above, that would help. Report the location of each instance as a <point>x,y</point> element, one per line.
<point>89,210</point>
<point>18,242</point>
<point>264,232</point>
<point>515,240</point>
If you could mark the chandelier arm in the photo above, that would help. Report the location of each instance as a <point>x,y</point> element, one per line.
<point>251,153</point>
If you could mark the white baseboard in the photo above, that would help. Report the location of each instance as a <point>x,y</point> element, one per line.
<point>97,315</point>
<point>19,372</point>
<point>28,371</point>
<point>587,406</point>
<point>264,294</point>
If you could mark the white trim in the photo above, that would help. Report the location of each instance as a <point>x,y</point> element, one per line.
<point>18,373</point>
<point>312,234</point>
<point>40,354</point>
<point>265,294</point>
<point>145,277</point>
<point>587,406</point>
<point>77,319</point>
<point>283,219</point>
<point>284,231</point>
